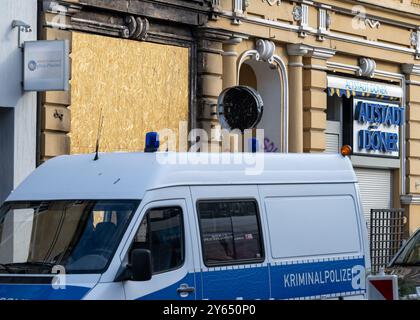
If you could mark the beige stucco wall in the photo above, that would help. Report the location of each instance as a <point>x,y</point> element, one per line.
<point>414,218</point>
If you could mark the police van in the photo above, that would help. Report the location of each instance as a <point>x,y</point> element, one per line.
<point>185,226</point>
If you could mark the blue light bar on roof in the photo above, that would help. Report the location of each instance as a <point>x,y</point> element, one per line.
<point>152,142</point>
<point>253,145</point>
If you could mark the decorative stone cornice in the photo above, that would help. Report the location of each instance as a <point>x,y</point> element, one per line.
<point>64,7</point>
<point>367,67</point>
<point>229,45</point>
<point>233,40</point>
<point>410,199</point>
<point>137,28</point>
<point>415,42</point>
<point>411,69</point>
<point>298,49</point>
<point>273,2</point>
<point>215,9</point>
<point>322,53</point>
<point>324,23</point>
<point>301,16</point>
<point>266,50</point>
<point>309,51</point>
<point>72,16</point>
<point>215,4</point>
<point>210,39</point>
<point>213,34</point>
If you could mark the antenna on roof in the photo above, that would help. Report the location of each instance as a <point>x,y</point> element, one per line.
<point>98,138</point>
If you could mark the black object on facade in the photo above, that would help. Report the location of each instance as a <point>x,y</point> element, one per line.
<point>240,107</point>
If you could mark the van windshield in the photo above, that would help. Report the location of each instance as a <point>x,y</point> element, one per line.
<point>80,236</point>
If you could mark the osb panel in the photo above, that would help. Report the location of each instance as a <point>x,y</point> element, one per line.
<point>139,87</point>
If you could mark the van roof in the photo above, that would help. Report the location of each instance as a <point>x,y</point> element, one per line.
<point>130,175</point>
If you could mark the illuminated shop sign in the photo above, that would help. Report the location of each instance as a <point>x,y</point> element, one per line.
<point>377,128</point>
<point>367,88</point>
<point>354,87</point>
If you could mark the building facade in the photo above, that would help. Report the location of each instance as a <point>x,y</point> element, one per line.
<point>330,73</point>
<point>18,116</point>
<point>333,73</point>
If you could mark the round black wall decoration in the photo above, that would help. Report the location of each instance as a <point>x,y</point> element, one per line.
<point>240,108</point>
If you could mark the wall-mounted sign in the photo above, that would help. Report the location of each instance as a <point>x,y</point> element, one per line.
<point>352,87</point>
<point>240,107</point>
<point>46,66</point>
<point>376,129</point>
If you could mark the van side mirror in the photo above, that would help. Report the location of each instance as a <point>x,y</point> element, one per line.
<point>141,265</point>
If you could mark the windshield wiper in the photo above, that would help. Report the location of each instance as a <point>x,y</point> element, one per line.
<point>406,264</point>
<point>30,265</point>
<point>6,267</point>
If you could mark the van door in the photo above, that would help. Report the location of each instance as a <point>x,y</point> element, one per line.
<point>164,230</point>
<point>232,255</point>
<point>316,241</point>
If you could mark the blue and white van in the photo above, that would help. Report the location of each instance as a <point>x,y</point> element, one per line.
<point>132,226</point>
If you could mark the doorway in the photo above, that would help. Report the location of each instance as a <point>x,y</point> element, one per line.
<point>265,78</point>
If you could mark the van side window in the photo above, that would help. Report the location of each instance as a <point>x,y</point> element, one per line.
<point>161,232</point>
<point>230,232</point>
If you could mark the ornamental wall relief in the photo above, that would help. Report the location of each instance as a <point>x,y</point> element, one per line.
<point>272,2</point>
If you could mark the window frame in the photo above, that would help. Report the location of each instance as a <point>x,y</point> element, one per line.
<point>183,246</point>
<point>259,226</point>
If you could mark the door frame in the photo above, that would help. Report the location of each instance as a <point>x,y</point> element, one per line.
<point>170,197</point>
<point>228,193</point>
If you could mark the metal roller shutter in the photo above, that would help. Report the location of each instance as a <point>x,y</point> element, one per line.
<point>332,137</point>
<point>332,143</point>
<point>375,189</point>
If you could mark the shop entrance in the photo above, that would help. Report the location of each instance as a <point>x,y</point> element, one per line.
<point>374,169</point>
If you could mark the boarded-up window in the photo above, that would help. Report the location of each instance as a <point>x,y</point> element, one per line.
<point>139,87</point>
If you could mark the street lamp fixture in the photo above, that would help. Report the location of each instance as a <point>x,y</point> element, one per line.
<point>22,27</point>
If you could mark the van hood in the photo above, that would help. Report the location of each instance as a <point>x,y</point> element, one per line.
<point>46,287</point>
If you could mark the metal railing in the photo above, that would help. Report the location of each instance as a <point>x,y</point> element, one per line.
<point>386,235</point>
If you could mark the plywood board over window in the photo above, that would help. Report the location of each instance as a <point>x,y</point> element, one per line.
<point>139,87</point>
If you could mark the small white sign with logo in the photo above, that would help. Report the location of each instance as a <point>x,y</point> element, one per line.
<point>46,66</point>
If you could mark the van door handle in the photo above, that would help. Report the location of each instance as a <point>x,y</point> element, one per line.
<point>185,289</point>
